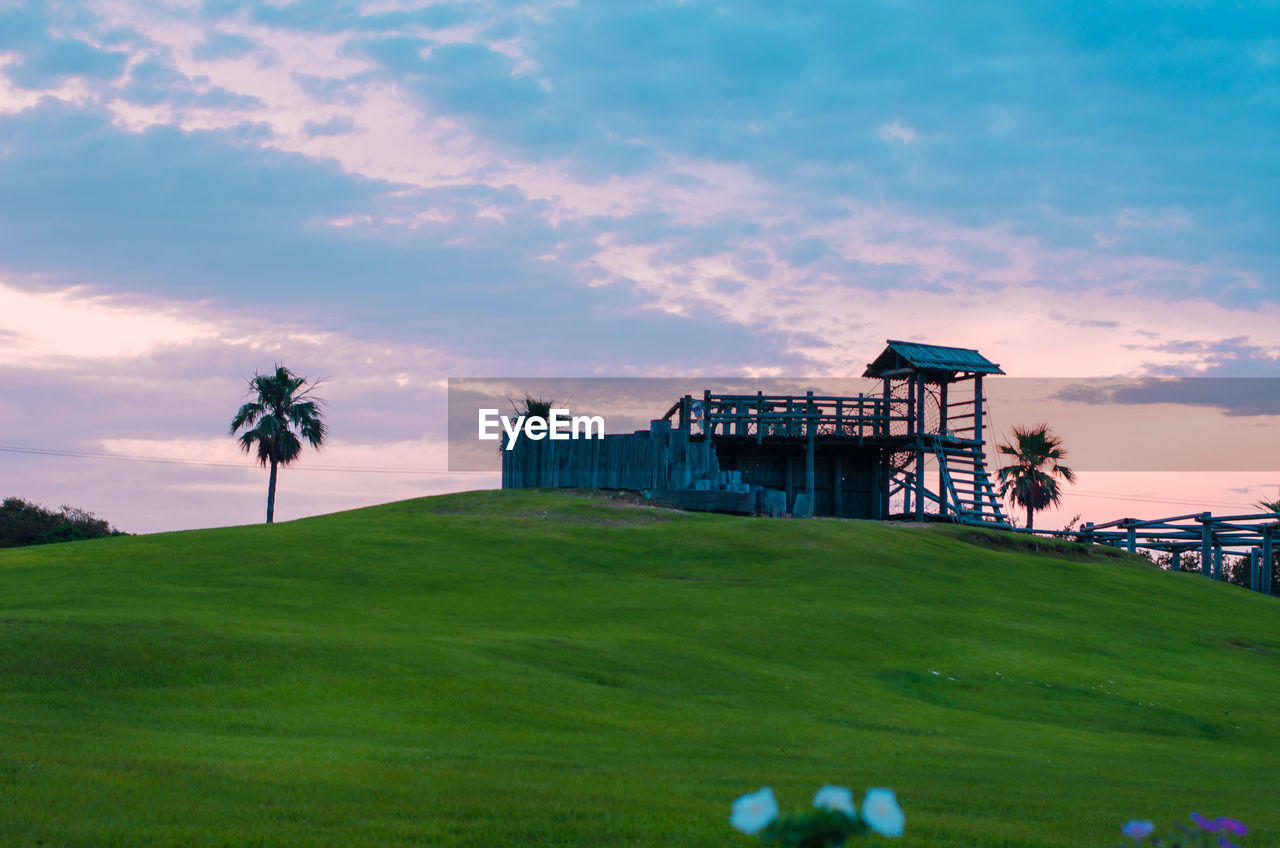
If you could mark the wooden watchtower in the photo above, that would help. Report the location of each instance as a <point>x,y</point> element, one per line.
<point>942,387</point>
<point>849,456</point>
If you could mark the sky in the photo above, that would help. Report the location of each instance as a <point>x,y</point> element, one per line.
<point>386,194</point>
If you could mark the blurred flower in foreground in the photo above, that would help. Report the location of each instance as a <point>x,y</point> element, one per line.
<point>1208,824</point>
<point>833,821</point>
<point>1207,833</point>
<point>753,812</point>
<point>881,812</point>
<point>835,798</point>
<point>1138,830</point>
<point>1232,826</point>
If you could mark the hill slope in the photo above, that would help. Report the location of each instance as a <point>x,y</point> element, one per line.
<point>524,668</point>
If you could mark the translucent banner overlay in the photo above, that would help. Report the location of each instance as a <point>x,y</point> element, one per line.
<point>1106,424</point>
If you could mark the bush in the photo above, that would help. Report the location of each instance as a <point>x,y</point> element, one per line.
<point>26,523</point>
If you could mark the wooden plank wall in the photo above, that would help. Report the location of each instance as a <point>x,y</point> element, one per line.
<point>657,458</point>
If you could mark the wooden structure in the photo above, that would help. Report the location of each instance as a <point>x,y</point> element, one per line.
<point>863,456</point>
<point>1253,535</point>
<point>659,458</point>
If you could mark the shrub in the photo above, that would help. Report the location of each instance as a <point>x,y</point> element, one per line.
<point>26,523</point>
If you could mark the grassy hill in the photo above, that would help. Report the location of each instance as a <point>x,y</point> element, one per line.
<point>550,669</point>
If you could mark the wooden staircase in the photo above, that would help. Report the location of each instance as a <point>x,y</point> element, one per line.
<point>968,493</point>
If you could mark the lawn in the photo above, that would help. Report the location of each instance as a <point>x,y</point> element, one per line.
<point>557,669</point>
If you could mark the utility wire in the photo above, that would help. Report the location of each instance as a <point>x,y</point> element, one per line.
<point>74,454</point>
<point>1135,498</point>
<point>1142,499</point>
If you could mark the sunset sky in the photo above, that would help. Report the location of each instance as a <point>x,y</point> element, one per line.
<point>387,194</point>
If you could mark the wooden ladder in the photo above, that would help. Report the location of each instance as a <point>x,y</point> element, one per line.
<point>967,488</point>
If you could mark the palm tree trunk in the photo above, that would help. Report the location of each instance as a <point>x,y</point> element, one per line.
<point>1030,512</point>
<point>271,494</point>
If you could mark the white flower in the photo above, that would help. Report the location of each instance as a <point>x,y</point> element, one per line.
<point>752,813</point>
<point>881,812</point>
<point>835,798</point>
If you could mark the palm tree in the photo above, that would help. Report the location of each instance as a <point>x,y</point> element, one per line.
<point>279,400</point>
<point>1269,506</point>
<point>1031,481</point>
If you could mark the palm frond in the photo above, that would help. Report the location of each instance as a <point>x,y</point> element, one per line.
<point>278,400</point>
<point>1268,506</point>
<point>1031,481</point>
<point>255,441</point>
<point>288,447</point>
<point>246,416</point>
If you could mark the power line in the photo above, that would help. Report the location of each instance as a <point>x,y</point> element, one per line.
<point>1142,499</point>
<point>991,426</point>
<point>74,454</point>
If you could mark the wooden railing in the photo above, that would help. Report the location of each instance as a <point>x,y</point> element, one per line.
<point>795,416</point>
<point>1253,535</point>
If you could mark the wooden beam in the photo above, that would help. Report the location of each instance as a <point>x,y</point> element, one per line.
<point>837,485</point>
<point>788,477</point>
<point>1206,543</point>
<point>887,423</point>
<point>810,427</point>
<point>977,407</point>
<point>918,393</point>
<point>1268,562</point>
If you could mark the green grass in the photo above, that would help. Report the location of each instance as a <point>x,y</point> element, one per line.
<point>550,669</point>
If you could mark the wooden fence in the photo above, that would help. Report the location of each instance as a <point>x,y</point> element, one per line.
<point>1251,535</point>
<point>657,458</point>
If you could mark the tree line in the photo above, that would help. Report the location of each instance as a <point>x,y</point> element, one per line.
<point>25,523</point>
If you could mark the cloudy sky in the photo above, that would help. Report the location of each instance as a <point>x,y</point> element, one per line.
<point>390,193</point>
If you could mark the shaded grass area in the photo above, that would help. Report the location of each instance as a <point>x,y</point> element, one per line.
<point>557,669</point>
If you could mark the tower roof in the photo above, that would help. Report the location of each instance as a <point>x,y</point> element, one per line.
<point>899,357</point>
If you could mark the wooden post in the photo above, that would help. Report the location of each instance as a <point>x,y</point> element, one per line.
<point>942,408</point>
<point>977,407</point>
<point>761,426</point>
<point>837,485</point>
<point>1255,578</point>
<point>788,476</point>
<point>1217,562</point>
<point>920,424</point>
<point>593,458</point>
<point>878,490</point>
<point>508,481</point>
<point>1176,555</point>
<point>1206,543</point>
<point>886,424</point>
<point>810,427</point>
<point>1133,537</point>
<point>919,393</point>
<point>911,406</point>
<point>942,495</point>
<point>882,488</point>
<point>1268,559</point>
